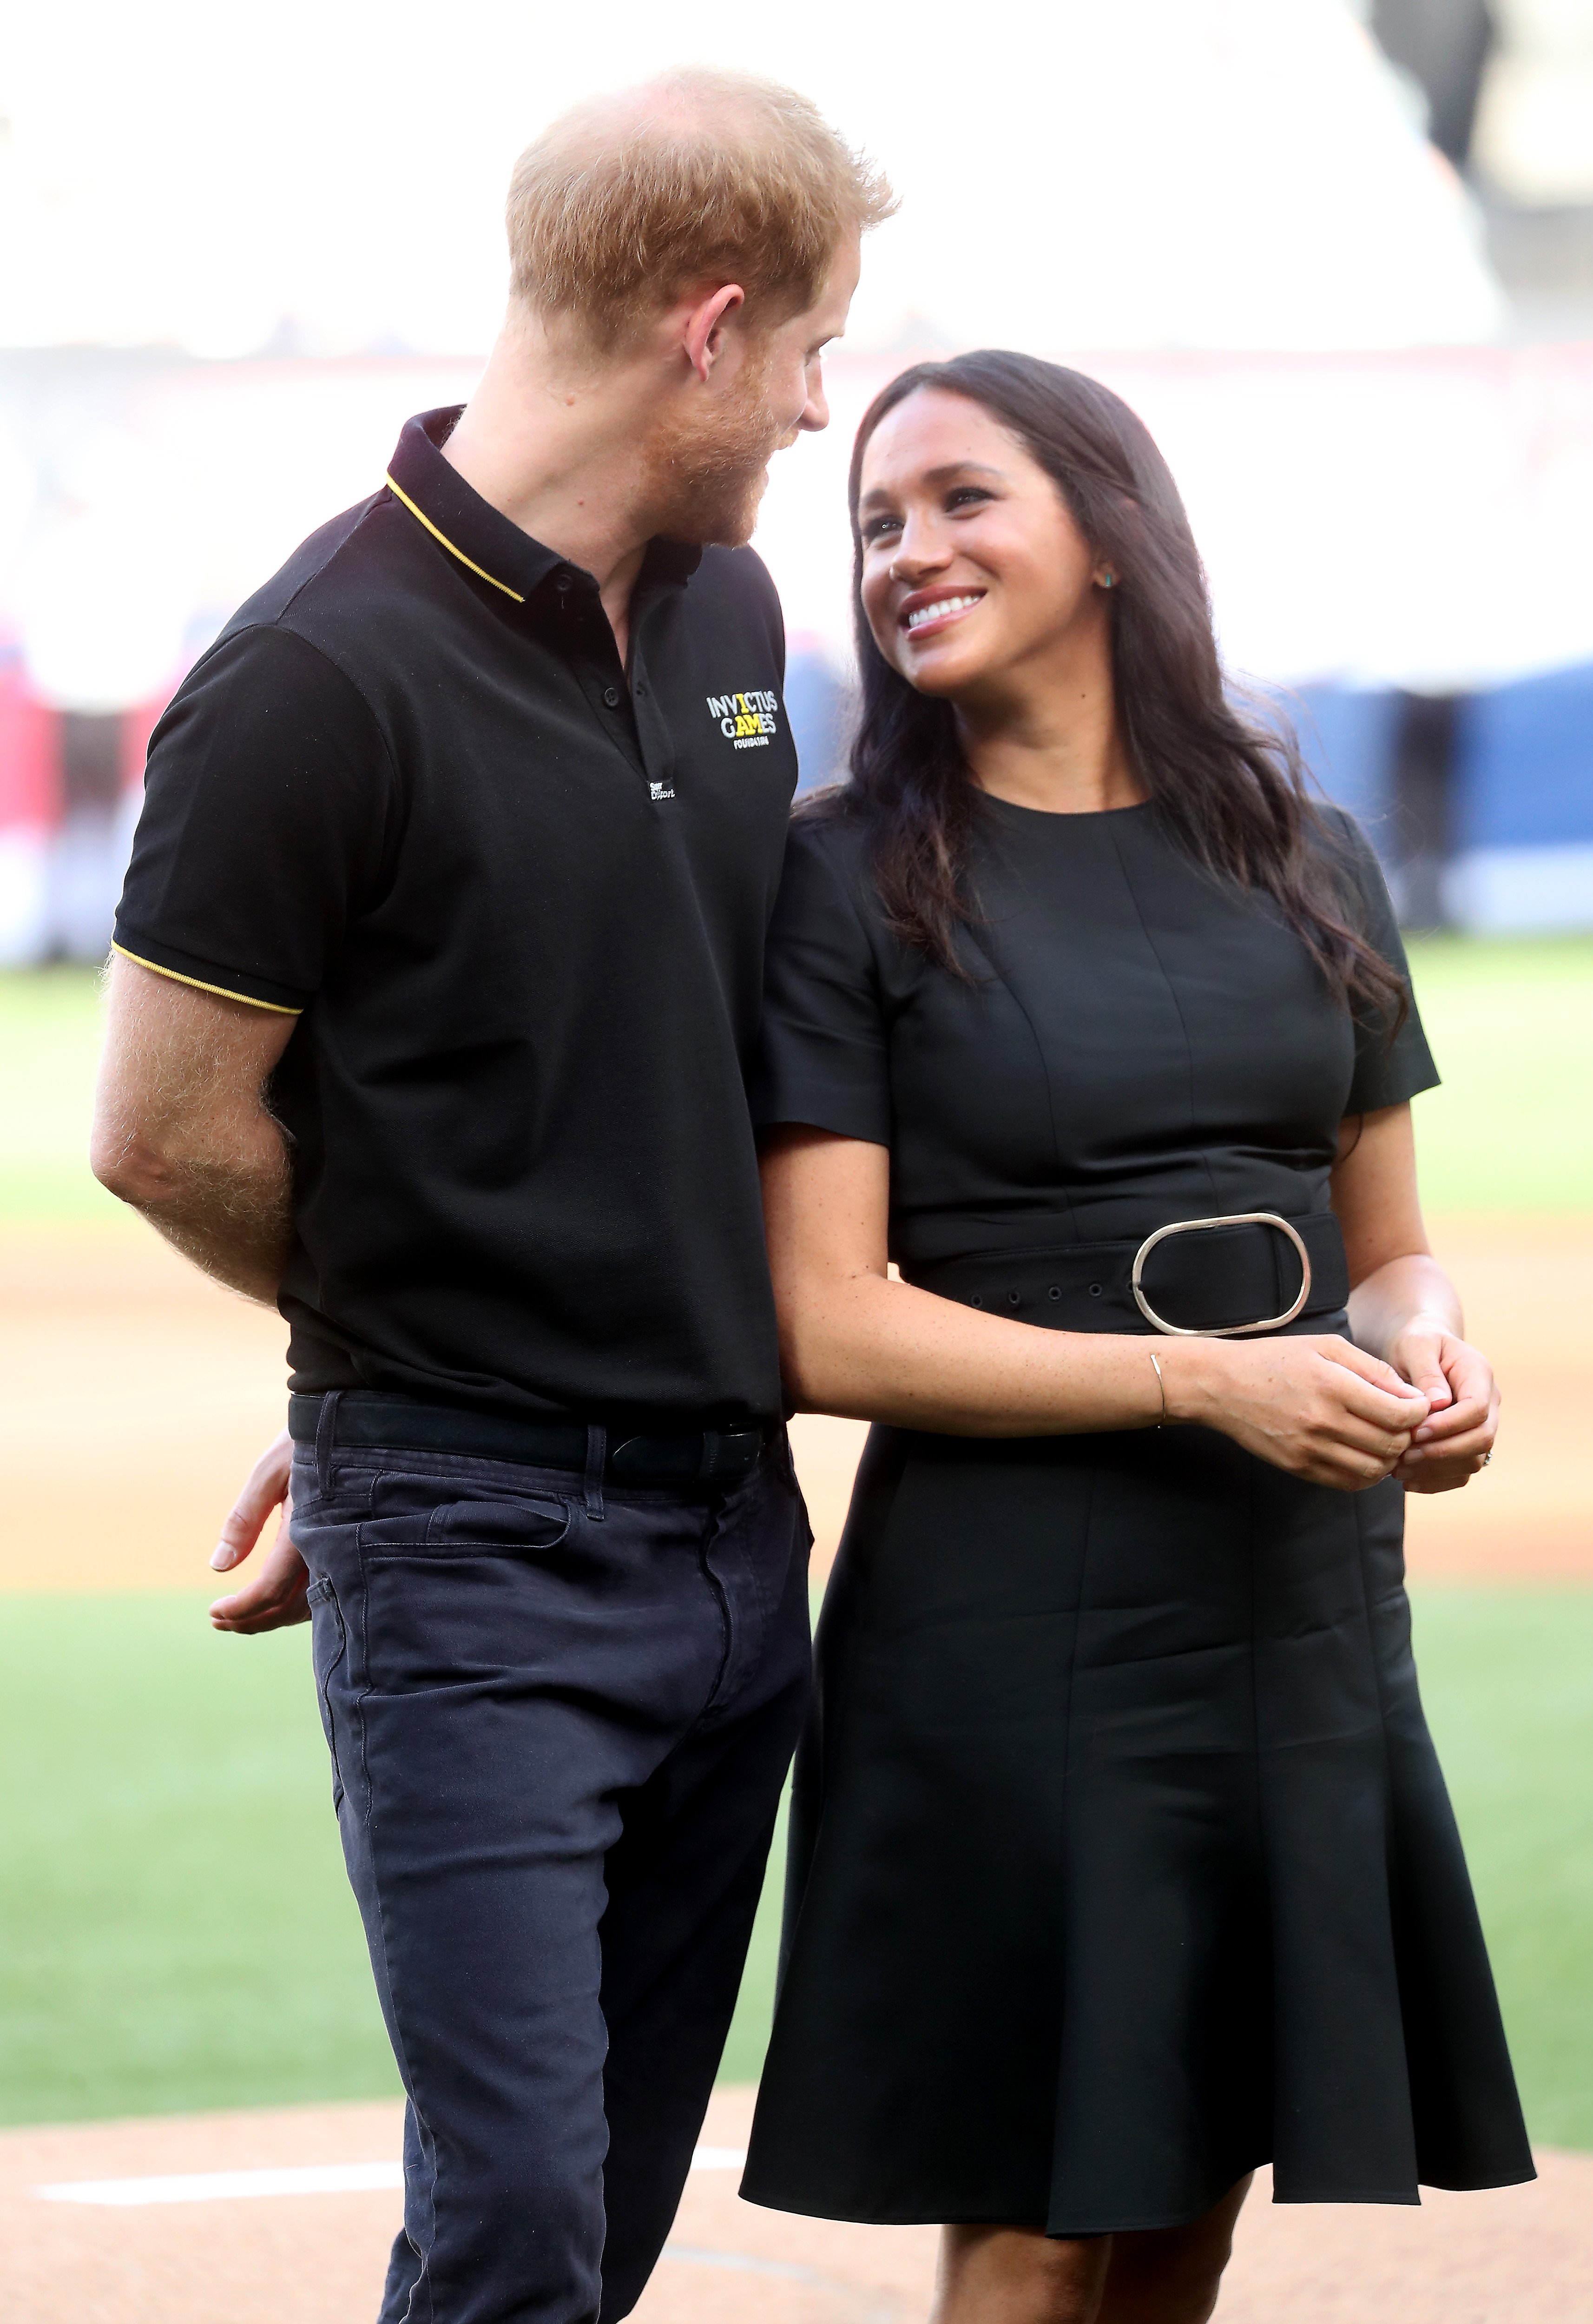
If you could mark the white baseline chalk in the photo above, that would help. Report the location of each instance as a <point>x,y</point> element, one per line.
<point>310,2179</point>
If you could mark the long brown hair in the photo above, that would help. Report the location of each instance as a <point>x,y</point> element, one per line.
<point>1229,792</point>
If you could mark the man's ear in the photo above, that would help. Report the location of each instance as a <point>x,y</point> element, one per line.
<point>703,334</point>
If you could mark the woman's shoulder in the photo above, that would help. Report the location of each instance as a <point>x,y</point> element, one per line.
<point>828,900</point>
<point>828,820</point>
<point>1343,831</point>
<point>1338,840</point>
<point>827,843</point>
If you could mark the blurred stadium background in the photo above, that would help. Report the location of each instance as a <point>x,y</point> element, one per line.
<point>1339,257</point>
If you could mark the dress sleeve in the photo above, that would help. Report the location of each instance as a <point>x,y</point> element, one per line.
<point>268,802</point>
<point>824,1058</point>
<point>1388,1071</point>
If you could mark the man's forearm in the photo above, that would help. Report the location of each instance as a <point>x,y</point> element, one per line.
<point>237,1225</point>
<point>183,1130</point>
<point>229,1210</point>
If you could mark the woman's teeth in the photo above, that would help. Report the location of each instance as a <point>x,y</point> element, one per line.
<point>938,611</point>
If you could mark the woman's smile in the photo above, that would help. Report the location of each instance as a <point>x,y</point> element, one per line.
<point>927,612</point>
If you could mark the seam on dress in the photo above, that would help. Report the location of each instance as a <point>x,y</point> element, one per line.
<point>1067,1769</point>
<point>1155,952</point>
<point>1390,1843</point>
<point>1001,978</point>
<point>1262,1851</point>
<point>833,1703</point>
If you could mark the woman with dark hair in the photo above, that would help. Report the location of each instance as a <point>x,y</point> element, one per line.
<point>1121,1862</point>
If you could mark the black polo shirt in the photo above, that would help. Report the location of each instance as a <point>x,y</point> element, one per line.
<point>517,898</point>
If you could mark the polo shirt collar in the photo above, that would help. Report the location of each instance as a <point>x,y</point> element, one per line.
<point>490,544</point>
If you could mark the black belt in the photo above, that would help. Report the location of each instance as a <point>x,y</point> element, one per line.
<point>1231,1276</point>
<point>403,1423</point>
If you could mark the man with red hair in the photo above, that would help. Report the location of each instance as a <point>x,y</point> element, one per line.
<point>437,965</point>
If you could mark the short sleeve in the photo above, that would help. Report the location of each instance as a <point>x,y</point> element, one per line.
<point>823,1058</point>
<point>1387,1072</point>
<point>268,800</point>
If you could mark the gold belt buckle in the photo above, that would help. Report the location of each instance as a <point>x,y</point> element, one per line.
<point>1221,1331</point>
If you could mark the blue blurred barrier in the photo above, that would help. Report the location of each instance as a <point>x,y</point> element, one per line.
<point>1524,806</point>
<point>1524,770</point>
<point>1347,738</point>
<point>818,705</point>
<point>1519,806</point>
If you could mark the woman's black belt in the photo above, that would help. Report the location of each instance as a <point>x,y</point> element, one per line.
<point>1253,1271</point>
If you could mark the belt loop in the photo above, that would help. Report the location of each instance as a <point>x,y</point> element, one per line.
<point>708,1465</point>
<point>597,1453</point>
<point>326,1440</point>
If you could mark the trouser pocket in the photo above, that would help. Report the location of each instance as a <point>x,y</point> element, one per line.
<point>330,1644</point>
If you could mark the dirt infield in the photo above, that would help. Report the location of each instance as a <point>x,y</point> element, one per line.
<point>1521,2255</point>
<point>134,1395</point>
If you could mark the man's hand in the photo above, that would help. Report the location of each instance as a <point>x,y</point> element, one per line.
<point>275,1598</point>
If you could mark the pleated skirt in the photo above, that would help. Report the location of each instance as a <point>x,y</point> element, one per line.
<point>1121,1861</point>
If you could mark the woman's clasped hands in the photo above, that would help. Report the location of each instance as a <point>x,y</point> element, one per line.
<point>1321,1408</point>
<point>1457,1438</point>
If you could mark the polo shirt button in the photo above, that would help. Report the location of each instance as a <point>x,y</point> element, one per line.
<point>562,581</point>
<point>611,695</point>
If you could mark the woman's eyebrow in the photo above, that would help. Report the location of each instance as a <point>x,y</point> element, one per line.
<point>959,469</point>
<point>879,496</point>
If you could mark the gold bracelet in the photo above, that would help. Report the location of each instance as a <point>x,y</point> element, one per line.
<point>1161,1383</point>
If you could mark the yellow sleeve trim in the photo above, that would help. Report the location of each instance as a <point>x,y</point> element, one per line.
<point>199,985</point>
<point>421,518</point>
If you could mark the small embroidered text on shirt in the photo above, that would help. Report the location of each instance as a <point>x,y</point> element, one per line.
<point>745,719</point>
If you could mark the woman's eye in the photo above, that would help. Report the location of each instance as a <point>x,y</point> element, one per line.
<point>878,527</point>
<point>966,496</point>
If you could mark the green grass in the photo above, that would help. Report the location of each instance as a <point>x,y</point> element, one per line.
<point>175,1930</point>
<point>49,1048</point>
<point>178,1932</point>
<point>1510,1024</point>
<point>1507,1678</point>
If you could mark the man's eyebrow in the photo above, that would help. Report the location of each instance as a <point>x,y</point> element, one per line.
<point>941,475</point>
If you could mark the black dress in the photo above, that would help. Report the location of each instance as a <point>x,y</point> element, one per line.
<point>1120,1859</point>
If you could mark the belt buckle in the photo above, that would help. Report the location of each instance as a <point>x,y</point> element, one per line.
<point>1221,1330</point>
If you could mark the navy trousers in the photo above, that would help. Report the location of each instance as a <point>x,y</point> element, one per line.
<point>560,1716</point>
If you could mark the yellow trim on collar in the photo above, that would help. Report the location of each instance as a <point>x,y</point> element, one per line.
<point>420,516</point>
<point>199,985</point>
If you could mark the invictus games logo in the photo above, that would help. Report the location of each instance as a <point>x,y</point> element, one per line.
<point>747,720</point>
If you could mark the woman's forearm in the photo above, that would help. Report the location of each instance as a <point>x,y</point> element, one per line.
<point>854,1342</point>
<point>1384,1303</point>
<point>876,1349</point>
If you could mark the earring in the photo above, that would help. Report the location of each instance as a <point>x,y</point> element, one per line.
<point>1107,580</point>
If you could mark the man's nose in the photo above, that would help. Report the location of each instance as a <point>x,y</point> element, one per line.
<point>815,412</point>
